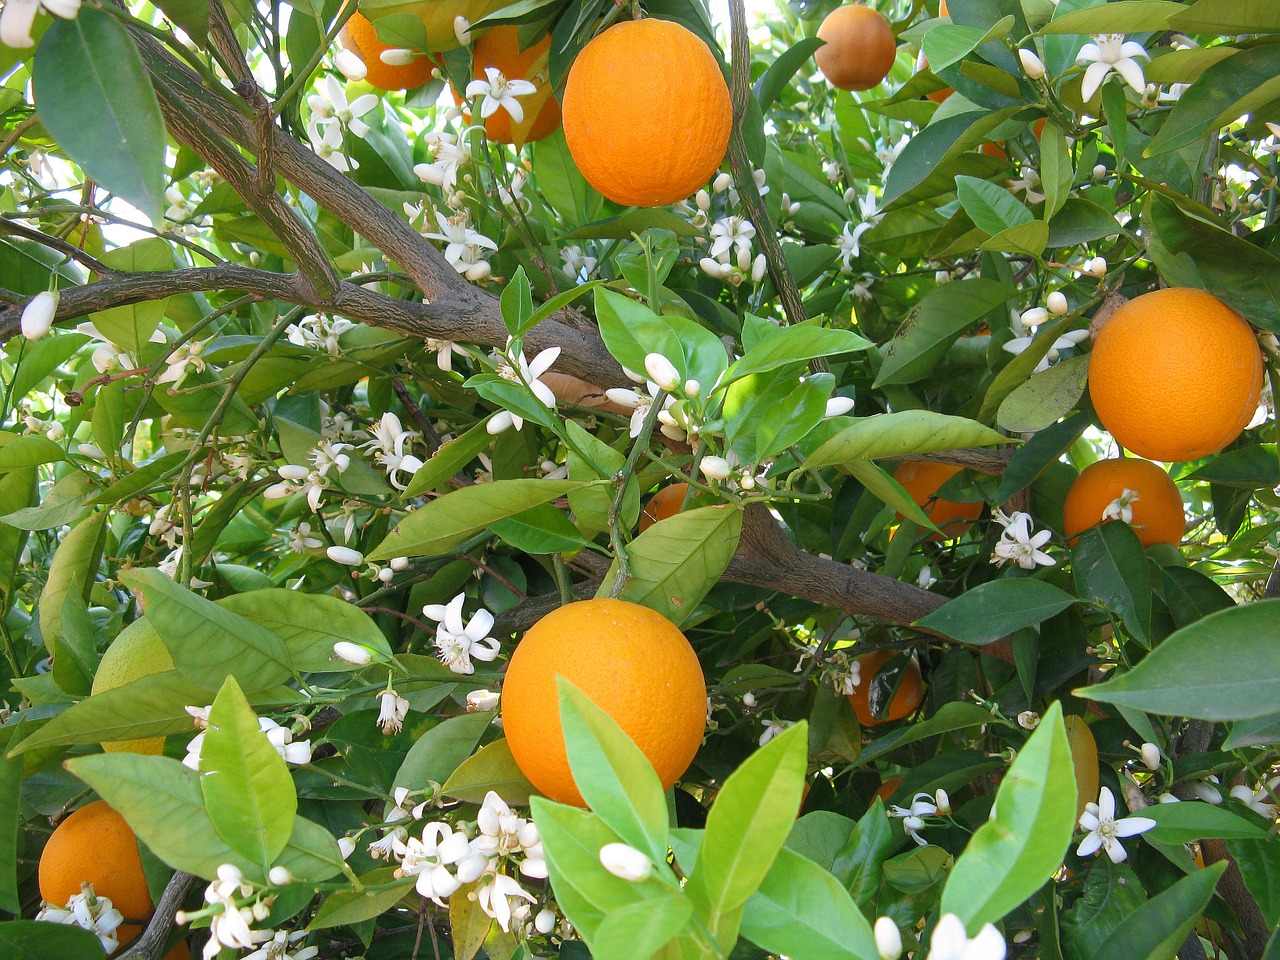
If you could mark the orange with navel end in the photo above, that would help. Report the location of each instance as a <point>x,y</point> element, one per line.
<point>663,504</point>
<point>860,47</point>
<point>1157,506</point>
<point>630,661</point>
<point>361,38</point>
<point>647,113</point>
<point>1175,374</point>
<point>921,480</point>
<point>867,705</point>
<point>499,48</point>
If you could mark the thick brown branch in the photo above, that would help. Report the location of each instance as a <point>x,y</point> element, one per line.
<point>1233,890</point>
<point>150,944</point>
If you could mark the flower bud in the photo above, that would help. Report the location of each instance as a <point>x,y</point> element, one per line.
<point>479,271</point>
<point>292,471</point>
<point>278,491</point>
<point>943,802</point>
<point>346,847</point>
<point>1097,267</point>
<point>625,862</point>
<point>710,266</point>
<point>397,57</point>
<point>722,183</point>
<point>692,389</point>
<point>1031,64</point>
<point>838,406</point>
<point>662,372</point>
<point>345,555</point>
<point>279,876</point>
<point>703,200</point>
<point>462,30</point>
<point>1099,172</point>
<point>715,468</point>
<point>91,451</point>
<point>888,939</point>
<point>481,701</point>
<point>1034,317</point>
<point>352,652</point>
<point>758,268</point>
<point>545,921</point>
<point>350,66</point>
<point>38,314</point>
<point>399,564</point>
<point>1150,756</point>
<point>1057,303</point>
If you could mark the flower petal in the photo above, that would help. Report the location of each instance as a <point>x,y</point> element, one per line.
<point>1093,78</point>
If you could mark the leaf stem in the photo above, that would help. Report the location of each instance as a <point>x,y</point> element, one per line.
<point>622,478</point>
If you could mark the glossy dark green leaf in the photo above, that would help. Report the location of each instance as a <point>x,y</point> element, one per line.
<point>1260,731</point>
<point>1173,680</point>
<point>95,98</point>
<point>776,79</point>
<point>1191,822</point>
<point>1259,862</point>
<point>991,207</point>
<point>381,892</point>
<point>859,865</point>
<point>436,754</point>
<point>1190,595</point>
<point>1110,568</point>
<point>1248,468</point>
<point>996,609</point>
<point>632,331</point>
<point>29,940</point>
<point>1222,93</point>
<point>1122,16</point>
<point>955,715</point>
<point>1031,459</point>
<point>10,821</point>
<point>539,530</point>
<point>1157,929</point>
<point>790,344</point>
<point>309,624</point>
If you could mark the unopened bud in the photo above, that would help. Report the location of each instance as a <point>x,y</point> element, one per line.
<point>662,372</point>
<point>692,389</point>
<point>1099,172</point>
<point>352,652</point>
<point>625,862</point>
<point>544,922</point>
<point>715,468</point>
<point>280,876</point>
<point>758,268</point>
<point>1032,64</point>
<point>345,555</point>
<point>1034,317</point>
<point>38,314</point>
<point>838,406</point>
<point>1057,303</point>
<point>722,183</point>
<point>291,471</point>
<point>888,939</point>
<point>1150,756</point>
<point>1097,267</point>
<point>350,66</point>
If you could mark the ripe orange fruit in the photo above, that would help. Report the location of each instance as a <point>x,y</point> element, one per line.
<point>631,661</point>
<point>1084,758</point>
<point>887,789</point>
<point>942,9</point>
<point>665,503</point>
<point>860,47</point>
<point>1175,374</point>
<point>500,48</point>
<point>95,845</point>
<point>905,699</point>
<point>647,113</point>
<point>921,480</point>
<point>1157,512</point>
<point>136,653</point>
<point>361,38</point>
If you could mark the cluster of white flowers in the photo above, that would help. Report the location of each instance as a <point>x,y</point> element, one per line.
<point>331,117</point>
<point>922,805</point>
<point>467,249</point>
<point>729,256</point>
<point>458,643</point>
<point>90,912</point>
<point>388,441</point>
<point>512,365</point>
<point>319,332</point>
<point>293,751</point>
<point>1018,544</point>
<point>949,941</point>
<point>664,379</point>
<point>850,239</point>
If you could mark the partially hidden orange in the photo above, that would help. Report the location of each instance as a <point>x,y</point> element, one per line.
<point>1154,501</point>
<point>630,661</point>
<point>867,698</point>
<point>1175,374</point>
<point>499,49</point>
<point>647,113</point>
<point>663,504</point>
<point>921,480</point>
<point>361,37</point>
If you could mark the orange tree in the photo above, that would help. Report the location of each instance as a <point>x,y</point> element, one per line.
<point>316,400</point>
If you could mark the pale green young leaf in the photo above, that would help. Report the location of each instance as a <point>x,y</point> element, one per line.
<point>248,792</point>
<point>380,892</point>
<point>310,624</point>
<point>1011,855</point>
<point>900,434</point>
<point>615,778</point>
<point>492,767</point>
<point>73,567</point>
<point>887,490</point>
<point>1044,399</point>
<point>639,930</point>
<point>791,344</point>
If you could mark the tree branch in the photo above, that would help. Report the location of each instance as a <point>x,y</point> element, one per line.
<point>151,942</point>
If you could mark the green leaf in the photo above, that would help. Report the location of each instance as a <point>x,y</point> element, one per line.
<point>1031,459</point>
<point>1226,90</point>
<point>1249,468</point>
<point>1190,595</point>
<point>1118,16</point>
<point>162,802</point>
<point>1228,16</point>
<point>1030,238</point>
<point>584,889</point>
<point>935,323</point>
<point>996,609</point>
<point>633,222</point>
<point>991,208</point>
<point>1056,170</point>
<point>888,490</point>
<point>776,79</point>
<point>631,331</point>
<point>30,940</point>
<point>950,43</point>
<point>310,624</point>
<point>747,826</point>
<point>74,565</point>
<point>1259,862</point>
<point>1173,680</point>
<point>95,98</point>
<point>900,434</point>
<point>802,911</point>
<point>1158,928</point>
<point>146,476</point>
<point>1046,398</point>
<point>11,769</point>
<point>790,344</point>
<point>860,864</point>
<point>492,767</point>
<point>764,413</point>
<point>539,530</point>
<point>1021,367</point>
<point>448,460</point>
<point>1191,822</point>
<point>1110,568</point>
<point>517,303</point>
<point>440,525</point>
<point>1011,856</point>
<point>436,754</point>
<point>956,715</point>
<point>640,929</point>
<point>30,451</point>
<point>930,160</point>
<point>346,907</point>
<point>615,778</point>
<point>1260,731</point>
<point>207,642</point>
<point>248,791</point>
<point>678,560</point>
